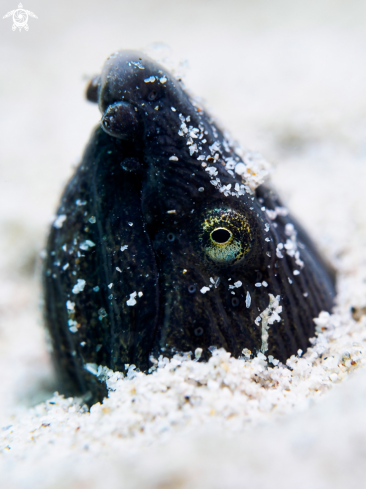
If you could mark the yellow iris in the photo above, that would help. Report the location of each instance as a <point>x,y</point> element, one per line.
<point>225,236</point>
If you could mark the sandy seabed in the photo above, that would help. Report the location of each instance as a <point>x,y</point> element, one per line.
<point>297,96</point>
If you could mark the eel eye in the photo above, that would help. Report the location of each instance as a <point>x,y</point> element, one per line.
<point>225,238</point>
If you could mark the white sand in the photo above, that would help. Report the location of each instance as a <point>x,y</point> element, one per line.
<point>287,81</point>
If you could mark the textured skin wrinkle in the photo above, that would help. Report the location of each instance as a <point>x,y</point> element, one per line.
<point>129,272</point>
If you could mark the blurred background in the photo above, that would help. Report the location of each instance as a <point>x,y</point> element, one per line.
<point>285,77</point>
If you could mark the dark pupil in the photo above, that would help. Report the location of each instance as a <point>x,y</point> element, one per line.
<point>220,235</point>
<point>152,95</point>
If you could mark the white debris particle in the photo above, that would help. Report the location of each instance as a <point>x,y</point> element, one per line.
<point>92,220</point>
<point>58,222</point>
<point>225,189</point>
<point>110,285</point>
<point>80,202</point>
<point>201,189</point>
<point>151,79</point>
<point>163,79</point>
<point>247,353</point>
<point>70,306</point>
<point>230,163</point>
<point>118,270</point>
<point>132,301</point>
<point>258,284</point>
<point>193,132</point>
<point>215,147</point>
<point>248,300</point>
<point>238,284</point>
<point>173,109</point>
<point>138,65</point>
<point>198,353</point>
<point>278,250</point>
<point>272,360</point>
<point>240,168</point>
<point>289,280</point>
<point>140,294</point>
<point>91,368</point>
<point>86,245</point>
<point>212,280</point>
<point>173,158</point>
<point>271,214</point>
<point>266,227</point>
<point>204,290</point>
<point>130,223</point>
<point>212,170</point>
<point>264,283</point>
<point>296,272</point>
<point>124,247</point>
<point>193,149</point>
<point>66,266</point>
<point>269,316</point>
<point>79,286</point>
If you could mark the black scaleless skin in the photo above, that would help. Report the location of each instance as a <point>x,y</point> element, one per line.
<point>129,191</point>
